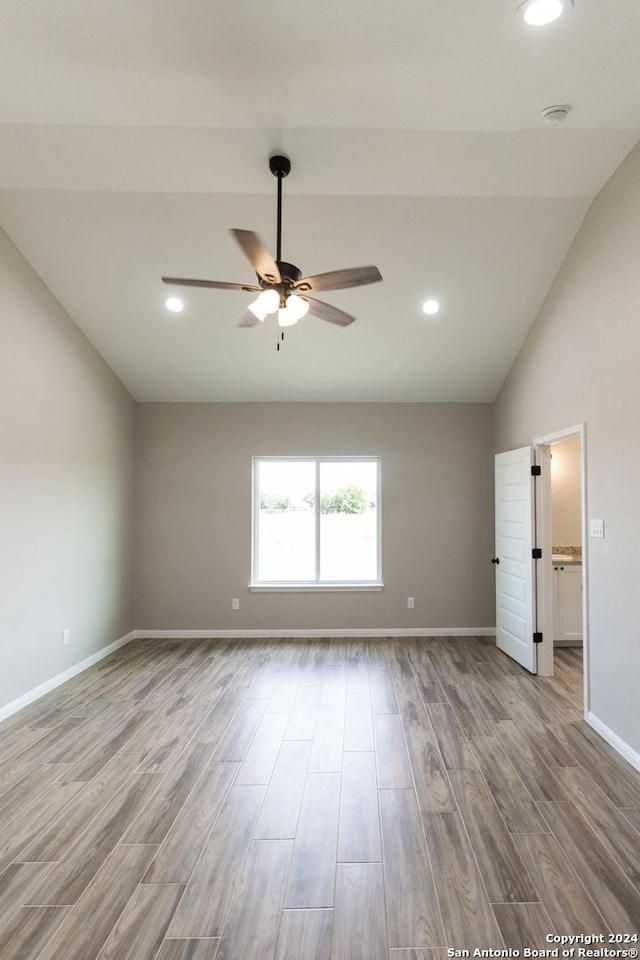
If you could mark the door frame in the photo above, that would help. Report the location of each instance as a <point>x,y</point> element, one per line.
<point>544,539</point>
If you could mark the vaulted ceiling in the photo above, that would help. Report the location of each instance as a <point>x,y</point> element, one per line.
<point>133,136</point>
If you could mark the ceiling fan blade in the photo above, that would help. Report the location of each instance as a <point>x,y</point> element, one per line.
<point>258,255</point>
<point>325,311</point>
<point>215,284</point>
<point>339,279</point>
<point>249,320</point>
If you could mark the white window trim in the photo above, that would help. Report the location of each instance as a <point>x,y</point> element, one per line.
<point>313,586</point>
<point>349,586</point>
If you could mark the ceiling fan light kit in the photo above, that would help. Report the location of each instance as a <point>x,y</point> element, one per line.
<point>281,287</point>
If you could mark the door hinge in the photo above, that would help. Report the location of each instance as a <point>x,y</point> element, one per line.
<point>536,553</point>
<point>537,638</point>
<point>536,470</point>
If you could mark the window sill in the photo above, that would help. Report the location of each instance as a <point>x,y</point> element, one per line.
<point>315,587</point>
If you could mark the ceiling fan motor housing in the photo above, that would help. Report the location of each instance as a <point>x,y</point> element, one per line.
<point>288,271</point>
<point>289,275</point>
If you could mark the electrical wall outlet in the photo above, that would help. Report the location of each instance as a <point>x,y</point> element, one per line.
<point>66,638</point>
<point>235,604</point>
<point>411,602</point>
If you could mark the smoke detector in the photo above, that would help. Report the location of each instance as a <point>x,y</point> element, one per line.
<point>556,115</point>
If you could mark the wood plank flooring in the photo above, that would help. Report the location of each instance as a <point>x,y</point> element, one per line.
<point>311,800</point>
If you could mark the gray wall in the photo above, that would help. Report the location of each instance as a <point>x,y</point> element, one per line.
<point>581,362</point>
<point>193,540</point>
<point>66,480</point>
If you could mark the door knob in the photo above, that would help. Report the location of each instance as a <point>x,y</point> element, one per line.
<point>496,560</point>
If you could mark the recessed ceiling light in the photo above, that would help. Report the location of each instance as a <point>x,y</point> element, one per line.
<point>537,13</point>
<point>174,304</point>
<point>431,306</point>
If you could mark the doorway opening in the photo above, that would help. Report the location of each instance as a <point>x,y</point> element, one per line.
<point>561,532</point>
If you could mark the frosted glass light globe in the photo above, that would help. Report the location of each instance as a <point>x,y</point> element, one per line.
<point>267,302</point>
<point>295,309</point>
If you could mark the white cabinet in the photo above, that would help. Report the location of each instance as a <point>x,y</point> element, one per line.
<point>567,604</point>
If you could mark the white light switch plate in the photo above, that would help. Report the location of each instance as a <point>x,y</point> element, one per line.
<point>597,529</point>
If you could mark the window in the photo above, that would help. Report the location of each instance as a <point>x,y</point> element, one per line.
<point>316,523</point>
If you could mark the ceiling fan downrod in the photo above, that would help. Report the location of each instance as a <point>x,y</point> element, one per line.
<point>280,167</point>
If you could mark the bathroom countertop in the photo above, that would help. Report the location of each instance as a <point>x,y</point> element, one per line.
<point>566,560</point>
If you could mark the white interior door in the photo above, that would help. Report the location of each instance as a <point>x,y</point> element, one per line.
<point>515,597</point>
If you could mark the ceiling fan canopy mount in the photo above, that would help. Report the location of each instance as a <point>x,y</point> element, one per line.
<point>280,166</point>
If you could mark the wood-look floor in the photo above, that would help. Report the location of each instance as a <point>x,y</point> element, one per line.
<point>311,800</point>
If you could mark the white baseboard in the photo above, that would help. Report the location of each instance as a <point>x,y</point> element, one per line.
<point>317,634</point>
<point>618,744</point>
<point>60,678</point>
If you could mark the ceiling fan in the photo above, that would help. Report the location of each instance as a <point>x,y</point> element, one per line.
<point>281,286</point>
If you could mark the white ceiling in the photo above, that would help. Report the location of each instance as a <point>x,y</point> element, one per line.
<point>134,135</point>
